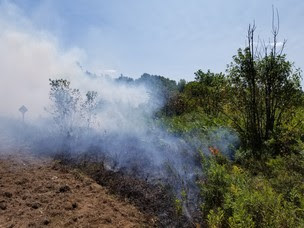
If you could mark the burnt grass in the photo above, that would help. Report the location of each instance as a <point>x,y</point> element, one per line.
<point>154,200</point>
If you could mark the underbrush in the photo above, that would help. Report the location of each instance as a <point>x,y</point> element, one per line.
<point>235,197</point>
<point>196,122</point>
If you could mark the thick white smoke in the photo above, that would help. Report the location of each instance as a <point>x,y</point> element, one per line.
<point>29,57</point>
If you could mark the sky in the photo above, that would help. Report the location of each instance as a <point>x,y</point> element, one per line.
<point>173,38</point>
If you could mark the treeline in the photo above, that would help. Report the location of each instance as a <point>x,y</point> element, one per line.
<point>259,96</point>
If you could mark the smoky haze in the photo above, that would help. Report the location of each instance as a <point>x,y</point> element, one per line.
<point>26,63</point>
<point>118,129</point>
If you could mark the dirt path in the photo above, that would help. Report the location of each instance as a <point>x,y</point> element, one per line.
<point>35,193</point>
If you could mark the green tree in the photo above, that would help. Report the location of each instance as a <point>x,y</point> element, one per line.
<point>208,91</point>
<point>181,85</point>
<point>264,90</point>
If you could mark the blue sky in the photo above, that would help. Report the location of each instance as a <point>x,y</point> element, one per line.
<point>173,38</point>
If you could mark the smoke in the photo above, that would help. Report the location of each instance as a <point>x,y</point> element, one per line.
<point>117,127</point>
<point>28,58</point>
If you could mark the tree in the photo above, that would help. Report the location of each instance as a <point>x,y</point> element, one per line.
<point>265,88</point>
<point>69,107</point>
<point>181,85</point>
<point>208,91</point>
<point>124,79</point>
<point>66,103</point>
<point>89,106</point>
<point>161,90</point>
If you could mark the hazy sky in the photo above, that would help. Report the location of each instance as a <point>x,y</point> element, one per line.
<point>173,38</point>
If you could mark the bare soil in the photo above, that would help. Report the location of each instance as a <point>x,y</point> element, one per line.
<point>36,193</point>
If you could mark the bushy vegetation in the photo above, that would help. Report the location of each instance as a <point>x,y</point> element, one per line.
<point>234,197</point>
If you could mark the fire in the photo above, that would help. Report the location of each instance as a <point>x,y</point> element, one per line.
<point>214,151</point>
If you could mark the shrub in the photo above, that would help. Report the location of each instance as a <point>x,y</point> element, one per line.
<point>233,197</point>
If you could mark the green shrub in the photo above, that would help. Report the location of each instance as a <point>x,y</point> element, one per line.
<point>215,218</point>
<point>286,175</point>
<point>233,197</point>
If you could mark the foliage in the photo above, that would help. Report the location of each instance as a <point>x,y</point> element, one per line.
<point>286,175</point>
<point>215,218</point>
<point>164,86</point>
<point>193,121</point>
<point>207,92</point>
<point>178,207</point>
<point>235,198</point>
<point>181,85</point>
<point>264,90</point>
<point>210,90</point>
